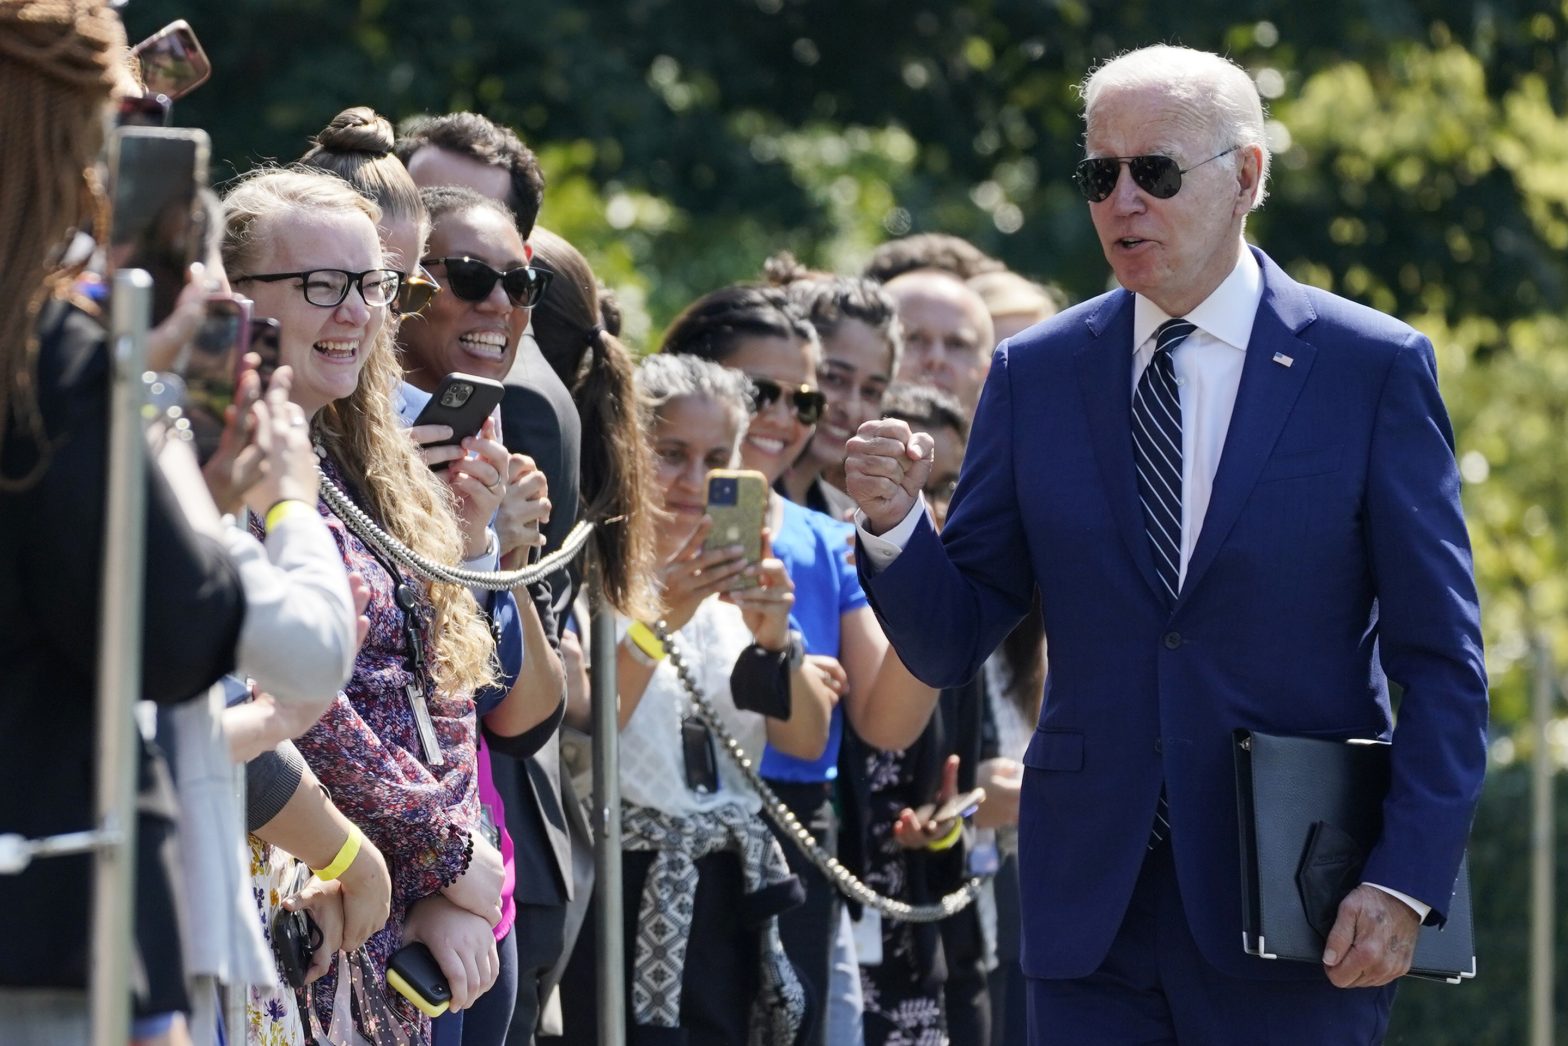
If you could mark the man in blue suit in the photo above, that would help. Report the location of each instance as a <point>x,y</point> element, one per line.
<point>1238,498</point>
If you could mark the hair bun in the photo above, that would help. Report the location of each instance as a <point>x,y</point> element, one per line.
<point>783,269</point>
<point>358,130</point>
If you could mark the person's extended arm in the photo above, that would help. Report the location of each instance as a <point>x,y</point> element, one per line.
<point>516,726</point>
<point>814,688</point>
<point>886,704</point>
<point>419,816</point>
<point>311,828</point>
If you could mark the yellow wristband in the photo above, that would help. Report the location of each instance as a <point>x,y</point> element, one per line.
<point>345,857</point>
<point>643,639</point>
<point>282,510</point>
<point>948,841</point>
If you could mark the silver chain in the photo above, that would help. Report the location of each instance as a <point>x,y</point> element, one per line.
<point>842,878</point>
<point>492,581</point>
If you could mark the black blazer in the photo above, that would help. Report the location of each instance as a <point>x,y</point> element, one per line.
<point>538,418</point>
<point>51,569</point>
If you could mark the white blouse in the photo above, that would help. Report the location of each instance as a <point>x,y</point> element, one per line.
<point>653,770</point>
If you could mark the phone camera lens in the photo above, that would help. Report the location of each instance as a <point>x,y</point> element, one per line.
<point>456,395</point>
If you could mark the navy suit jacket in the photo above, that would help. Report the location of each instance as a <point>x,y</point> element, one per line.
<point>1333,558</point>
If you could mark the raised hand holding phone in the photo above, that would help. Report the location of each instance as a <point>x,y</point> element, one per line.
<point>696,572</point>
<point>738,506</point>
<point>919,829</point>
<point>765,606</point>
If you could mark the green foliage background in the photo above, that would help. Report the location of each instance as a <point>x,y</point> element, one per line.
<point>1422,167</point>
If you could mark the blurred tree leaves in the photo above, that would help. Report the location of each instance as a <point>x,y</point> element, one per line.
<point>1422,166</point>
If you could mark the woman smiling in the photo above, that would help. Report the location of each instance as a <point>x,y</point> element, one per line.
<point>396,749</point>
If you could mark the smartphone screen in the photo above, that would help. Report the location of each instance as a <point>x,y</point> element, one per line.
<point>156,222</point>
<point>173,62</point>
<point>209,365</point>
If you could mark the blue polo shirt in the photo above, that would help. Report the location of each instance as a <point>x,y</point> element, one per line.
<point>815,551</point>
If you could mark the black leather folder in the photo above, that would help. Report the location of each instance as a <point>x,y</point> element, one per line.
<point>1311,809</point>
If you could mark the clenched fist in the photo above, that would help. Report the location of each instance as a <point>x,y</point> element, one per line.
<point>885,467</point>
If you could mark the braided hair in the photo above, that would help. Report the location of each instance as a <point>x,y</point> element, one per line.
<point>60,61</point>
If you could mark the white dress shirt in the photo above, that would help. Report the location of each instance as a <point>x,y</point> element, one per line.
<point>1208,368</point>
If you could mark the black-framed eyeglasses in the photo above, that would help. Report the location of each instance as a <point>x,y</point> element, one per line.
<point>1159,176</point>
<point>327,288</point>
<point>473,280</point>
<point>415,291</point>
<point>807,401</point>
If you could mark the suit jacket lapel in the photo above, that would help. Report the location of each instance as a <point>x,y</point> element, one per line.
<point>1264,400</point>
<point>1104,363</point>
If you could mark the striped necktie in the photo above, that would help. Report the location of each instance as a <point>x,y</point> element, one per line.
<point>1156,444</point>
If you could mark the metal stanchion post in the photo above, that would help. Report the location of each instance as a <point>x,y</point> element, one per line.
<point>119,662</point>
<point>609,934</point>
<point>1543,865</point>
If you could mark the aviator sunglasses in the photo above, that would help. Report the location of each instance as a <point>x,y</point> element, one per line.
<point>1159,176</point>
<point>807,401</point>
<point>473,280</point>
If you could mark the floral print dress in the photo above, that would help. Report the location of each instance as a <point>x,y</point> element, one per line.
<point>365,749</point>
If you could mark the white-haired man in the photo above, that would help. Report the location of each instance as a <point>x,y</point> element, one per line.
<point>1239,500</point>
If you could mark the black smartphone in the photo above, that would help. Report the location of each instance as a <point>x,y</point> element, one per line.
<point>295,938</point>
<point>209,366</point>
<point>173,62</point>
<point>463,402</point>
<point>414,974</point>
<point>157,222</point>
<point>266,341</point>
<point>697,750</point>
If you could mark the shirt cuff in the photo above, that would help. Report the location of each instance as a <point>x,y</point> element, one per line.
<point>882,549</point>
<point>1421,910</point>
<point>490,558</point>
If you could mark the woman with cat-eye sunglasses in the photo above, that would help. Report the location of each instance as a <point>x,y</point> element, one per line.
<point>473,280</point>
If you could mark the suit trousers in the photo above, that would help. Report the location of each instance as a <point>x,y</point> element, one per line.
<point>1156,989</point>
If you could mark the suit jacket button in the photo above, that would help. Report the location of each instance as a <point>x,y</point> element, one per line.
<point>1158,747</point>
<point>1172,640</point>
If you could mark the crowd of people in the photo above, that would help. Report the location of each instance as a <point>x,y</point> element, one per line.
<point>360,776</point>
<point>400,739</point>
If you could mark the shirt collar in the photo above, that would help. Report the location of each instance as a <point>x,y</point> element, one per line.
<point>1226,315</point>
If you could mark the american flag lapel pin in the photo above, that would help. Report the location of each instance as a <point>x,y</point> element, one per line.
<point>1283,360</point>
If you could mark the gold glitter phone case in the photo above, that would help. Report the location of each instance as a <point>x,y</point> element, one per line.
<point>738,505</point>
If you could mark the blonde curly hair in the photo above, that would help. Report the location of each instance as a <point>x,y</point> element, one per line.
<point>361,431</point>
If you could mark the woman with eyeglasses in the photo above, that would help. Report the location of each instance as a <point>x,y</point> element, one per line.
<point>519,717</point>
<point>357,147</point>
<point>759,332</point>
<point>396,749</point>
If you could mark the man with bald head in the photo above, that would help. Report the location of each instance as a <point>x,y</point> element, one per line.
<point>948,335</point>
<point>1238,499</point>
